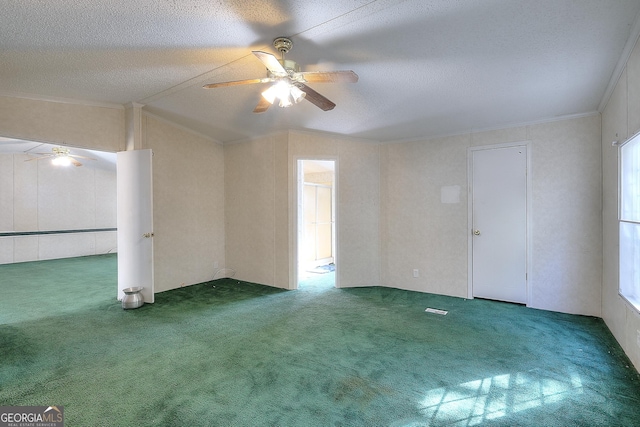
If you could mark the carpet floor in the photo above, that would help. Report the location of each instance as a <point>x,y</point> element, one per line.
<point>231,353</point>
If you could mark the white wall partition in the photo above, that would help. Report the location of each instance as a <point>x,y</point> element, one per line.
<point>188,205</point>
<point>135,222</point>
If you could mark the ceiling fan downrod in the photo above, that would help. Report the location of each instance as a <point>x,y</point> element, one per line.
<point>284,45</point>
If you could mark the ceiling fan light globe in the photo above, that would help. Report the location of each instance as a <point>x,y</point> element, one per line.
<point>61,161</point>
<point>297,94</point>
<point>270,94</point>
<point>286,102</point>
<point>282,89</point>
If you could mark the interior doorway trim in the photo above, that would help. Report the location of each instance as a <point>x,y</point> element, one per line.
<point>470,150</point>
<point>297,199</point>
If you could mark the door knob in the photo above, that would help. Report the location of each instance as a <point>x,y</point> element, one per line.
<point>476,232</point>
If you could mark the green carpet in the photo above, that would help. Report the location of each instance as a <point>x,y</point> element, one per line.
<point>229,353</point>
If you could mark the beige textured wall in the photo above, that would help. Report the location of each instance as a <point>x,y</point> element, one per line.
<point>419,231</point>
<point>620,121</point>
<point>261,207</point>
<point>85,126</point>
<point>37,196</point>
<point>188,204</point>
<point>256,214</point>
<point>357,205</point>
<point>567,216</point>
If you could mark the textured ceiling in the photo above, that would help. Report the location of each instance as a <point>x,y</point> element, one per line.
<point>426,68</point>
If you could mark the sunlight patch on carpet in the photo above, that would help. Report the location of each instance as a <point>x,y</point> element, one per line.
<point>474,402</point>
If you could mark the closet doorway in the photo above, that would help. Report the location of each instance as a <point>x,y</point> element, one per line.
<point>316,223</point>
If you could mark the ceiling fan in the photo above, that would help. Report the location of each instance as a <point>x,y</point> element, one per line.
<point>60,157</point>
<point>289,83</point>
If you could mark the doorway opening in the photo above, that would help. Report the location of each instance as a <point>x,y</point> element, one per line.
<point>316,224</point>
<point>58,228</point>
<point>57,201</point>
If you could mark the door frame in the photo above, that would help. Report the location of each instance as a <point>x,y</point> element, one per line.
<point>470,150</point>
<point>297,199</point>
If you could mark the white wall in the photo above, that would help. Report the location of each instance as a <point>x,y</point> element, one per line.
<point>38,196</point>
<point>620,121</point>
<point>256,210</point>
<point>418,231</point>
<point>188,204</point>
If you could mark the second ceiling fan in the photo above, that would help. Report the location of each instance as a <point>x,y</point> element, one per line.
<point>289,83</point>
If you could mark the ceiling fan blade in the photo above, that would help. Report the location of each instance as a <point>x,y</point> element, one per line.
<point>330,76</point>
<point>80,157</point>
<point>262,106</point>
<point>315,98</point>
<point>44,156</point>
<point>75,162</point>
<point>237,83</point>
<point>271,62</point>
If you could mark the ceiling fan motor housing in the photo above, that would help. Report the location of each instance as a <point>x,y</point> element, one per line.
<point>61,151</point>
<point>283,44</point>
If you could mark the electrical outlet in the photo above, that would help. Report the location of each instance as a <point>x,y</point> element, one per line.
<point>638,337</point>
<point>215,264</point>
<point>416,273</point>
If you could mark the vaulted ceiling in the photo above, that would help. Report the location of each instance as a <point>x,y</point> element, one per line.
<point>426,67</point>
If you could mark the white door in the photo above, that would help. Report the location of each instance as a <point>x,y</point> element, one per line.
<point>324,223</point>
<point>135,222</point>
<point>499,223</point>
<point>318,224</point>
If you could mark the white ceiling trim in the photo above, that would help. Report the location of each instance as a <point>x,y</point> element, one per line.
<point>4,137</point>
<point>60,100</point>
